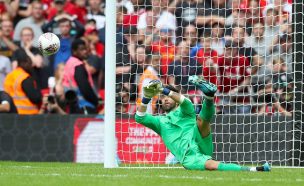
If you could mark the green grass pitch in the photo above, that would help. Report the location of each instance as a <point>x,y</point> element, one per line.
<point>64,174</point>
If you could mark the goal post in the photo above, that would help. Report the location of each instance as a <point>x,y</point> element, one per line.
<point>110,84</point>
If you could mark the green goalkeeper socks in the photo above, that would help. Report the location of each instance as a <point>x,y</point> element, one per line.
<point>208,110</point>
<point>232,167</point>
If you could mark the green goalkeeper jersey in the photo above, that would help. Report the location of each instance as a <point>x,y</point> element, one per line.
<point>175,128</point>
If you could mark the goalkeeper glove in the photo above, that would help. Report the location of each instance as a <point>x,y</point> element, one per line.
<point>152,89</point>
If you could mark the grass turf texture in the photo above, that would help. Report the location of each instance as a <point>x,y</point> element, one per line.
<point>17,173</point>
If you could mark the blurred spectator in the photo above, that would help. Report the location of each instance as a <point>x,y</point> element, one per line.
<point>5,17</point>
<point>76,78</point>
<point>94,65</point>
<point>132,39</point>
<point>6,103</point>
<point>50,106</point>
<point>76,30</point>
<point>21,86</point>
<point>35,21</point>
<point>126,89</point>
<point>92,39</point>
<point>218,39</point>
<point>56,10</point>
<point>8,7</point>
<point>151,72</point>
<point>127,43</point>
<point>95,12</point>
<point>53,103</point>
<point>270,85</point>
<point>257,40</point>
<point>127,4</point>
<point>77,8</point>
<point>284,51</point>
<point>166,48</point>
<point>59,89</point>
<point>190,36</point>
<point>183,67</point>
<point>131,79</point>
<point>23,9</point>
<point>233,68</point>
<point>254,12</point>
<point>5,68</point>
<point>238,16</point>
<point>164,18</point>
<point>186,12</point>
<point>284,9</point>
<point>150,33</point>
<point>131,18</point>
<point>240,37</point>
<point>272,29</point>
<point>7,46</point>
<point>220,8</point>
<point>26,43</point>
<point>217,11</point>
<point>207,58</point>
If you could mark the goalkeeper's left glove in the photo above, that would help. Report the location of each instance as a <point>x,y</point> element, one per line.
<point>157,87</point>
<point>153,88</point>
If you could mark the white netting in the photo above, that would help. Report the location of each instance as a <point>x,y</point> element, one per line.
<point>243,46</point>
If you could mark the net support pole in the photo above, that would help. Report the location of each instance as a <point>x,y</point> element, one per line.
<point>110,81</point>
<point>298,132</point>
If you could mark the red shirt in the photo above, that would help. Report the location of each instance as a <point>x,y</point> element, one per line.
<point>232,73</point>
<point>73,9</point>
<point>2,8</point>
<point>130,20</point>
<point>99,49</point>
<point>167,52</point>
<point>70,9</point>
<point>202,57</point>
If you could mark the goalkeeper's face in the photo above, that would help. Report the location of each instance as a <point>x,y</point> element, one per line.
<point>168,104</point>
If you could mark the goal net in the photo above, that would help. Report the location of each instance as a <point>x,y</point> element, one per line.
<point>245,47</point>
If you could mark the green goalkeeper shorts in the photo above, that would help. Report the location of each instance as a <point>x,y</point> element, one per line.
<point>194,159</point>
<point>205,144</point>
<point>200,150</point>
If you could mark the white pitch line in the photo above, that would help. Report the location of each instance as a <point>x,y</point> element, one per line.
<point>151,177</point>
<point>125,167</point>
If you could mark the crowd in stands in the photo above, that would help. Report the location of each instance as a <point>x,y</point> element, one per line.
<point>242,46</point>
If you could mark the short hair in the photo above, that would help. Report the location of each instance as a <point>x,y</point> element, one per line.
<point>91,21</point>
<point>76,43</point>
<point>63,20</point>
<point>27,28</point>
<point>21,56</point>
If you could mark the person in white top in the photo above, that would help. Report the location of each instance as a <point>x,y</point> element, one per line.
<point>5,68</point>
<point>35,21</point>
<point>164,18</point>
<point>94,12</point>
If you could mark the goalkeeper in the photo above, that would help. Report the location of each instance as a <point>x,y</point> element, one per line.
<point>187,137</point>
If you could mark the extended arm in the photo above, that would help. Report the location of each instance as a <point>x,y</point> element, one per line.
<point>141,116</point>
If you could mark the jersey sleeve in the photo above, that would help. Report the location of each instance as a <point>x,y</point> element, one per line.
<point>152,122</point>
<point>187,108</point>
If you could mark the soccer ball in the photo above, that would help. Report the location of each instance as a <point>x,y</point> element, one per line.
<point>48,43</point>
